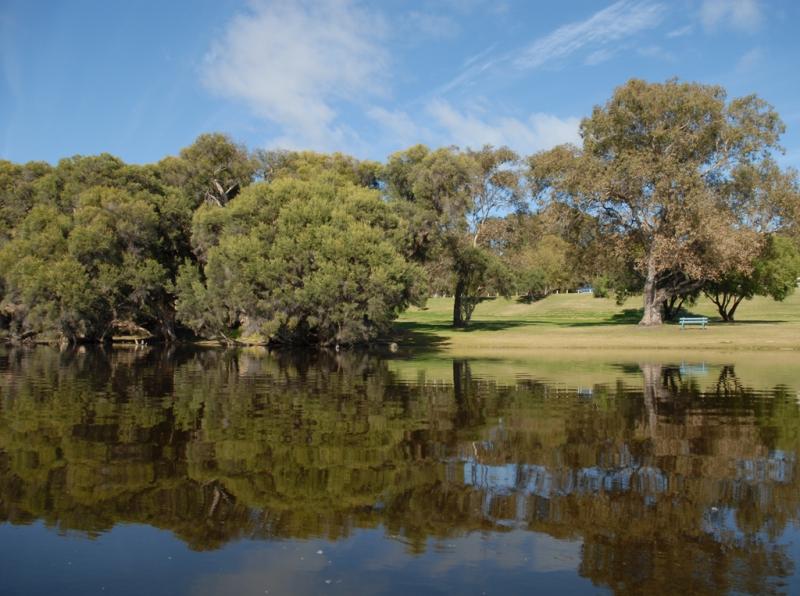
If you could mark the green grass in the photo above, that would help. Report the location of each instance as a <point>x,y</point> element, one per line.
<point>574,321</point>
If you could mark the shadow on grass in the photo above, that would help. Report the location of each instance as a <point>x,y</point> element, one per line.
<point>629,316</point>
<point>748,322</point>
<point>419,337</point>
<point>426,334</point>
<point>717,320</point>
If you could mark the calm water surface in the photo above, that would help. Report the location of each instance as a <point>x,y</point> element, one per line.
<point>241,472</point>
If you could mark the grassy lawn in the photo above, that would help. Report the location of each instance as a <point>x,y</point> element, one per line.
<point>577,321</point>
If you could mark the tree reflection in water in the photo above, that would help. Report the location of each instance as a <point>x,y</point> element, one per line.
<point>671,485</point>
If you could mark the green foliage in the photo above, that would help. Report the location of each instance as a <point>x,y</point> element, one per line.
<point>532,283</point>
<point>478,273</point>
<point>774,273</point>
<point>96,247</point>
<point>297,261</point>
<point>450,197</point>
<point>601,286</point>
<point>17,193</point>
<point>76,275</point>
<point>212,169</point>
<point>306,165</point>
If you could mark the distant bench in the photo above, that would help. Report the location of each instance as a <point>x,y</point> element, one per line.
<point>700,321</point>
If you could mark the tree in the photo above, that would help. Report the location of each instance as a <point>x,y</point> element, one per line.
<point>292,261</point>
<point>17,191</point>
<point>453,195</point>
<point>78,275</point>
<point>212,169</point>
<point>774,273</point>
<point>674,304</point>
<point>679,179</point>
<point>274,164</point>
<point>94,244</point>
<point>47,290</point>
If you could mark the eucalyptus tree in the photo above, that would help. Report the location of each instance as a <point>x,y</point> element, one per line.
<point>680,178</point>
<point>452,195</point>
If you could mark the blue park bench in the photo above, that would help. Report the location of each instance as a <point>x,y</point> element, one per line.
<point>701,321</point>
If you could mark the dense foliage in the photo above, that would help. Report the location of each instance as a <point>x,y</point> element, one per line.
<point>674,192</point>
<point>297,261</point>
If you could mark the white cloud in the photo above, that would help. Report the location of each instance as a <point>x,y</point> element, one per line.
<point>291,62</point>
<point>597,34</point>
<point>614,23</point>
<point>744,15</point>
<point>750,60</point>
<point>600,56</point>
<point>399,125</point>
<point>473,129</point>
<point>657,52</point>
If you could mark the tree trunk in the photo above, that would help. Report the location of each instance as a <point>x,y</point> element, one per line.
<point>653,300</point>
<point>732,309</point>
<point>726,304</point>
<point>166,324</point>
<point>723,313</point>
<point>672,307</point>
<point>458,310</point>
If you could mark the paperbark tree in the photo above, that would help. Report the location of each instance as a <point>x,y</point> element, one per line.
<point>678,177</point>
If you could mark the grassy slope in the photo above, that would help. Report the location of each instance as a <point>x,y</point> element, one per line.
<point>572,321</point>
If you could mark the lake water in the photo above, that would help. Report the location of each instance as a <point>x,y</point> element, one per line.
<point>242,472</point>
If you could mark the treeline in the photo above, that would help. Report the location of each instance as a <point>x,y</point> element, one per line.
<point>673,192</point>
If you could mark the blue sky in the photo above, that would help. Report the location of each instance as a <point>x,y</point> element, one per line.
<point>142,79</point>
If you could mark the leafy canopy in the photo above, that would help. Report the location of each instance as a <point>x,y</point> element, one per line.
<point>297,260</point>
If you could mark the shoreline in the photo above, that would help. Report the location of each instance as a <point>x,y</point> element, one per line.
<point>561,322</point>
<point>723,337</point>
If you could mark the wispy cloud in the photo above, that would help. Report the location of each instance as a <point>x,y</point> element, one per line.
<point>470,73</point>
<point>599,35</point>
<point>291,62</point>
<point>476,57</point>
<point>744,15</point>
<point>749,60</point>
<point>657,52</point>
<point>600,56</point>
<point>617,22</point>
<point>441,122</point>
<point>473,129</point>
<point>398,126</point>
<point>680,31</point>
